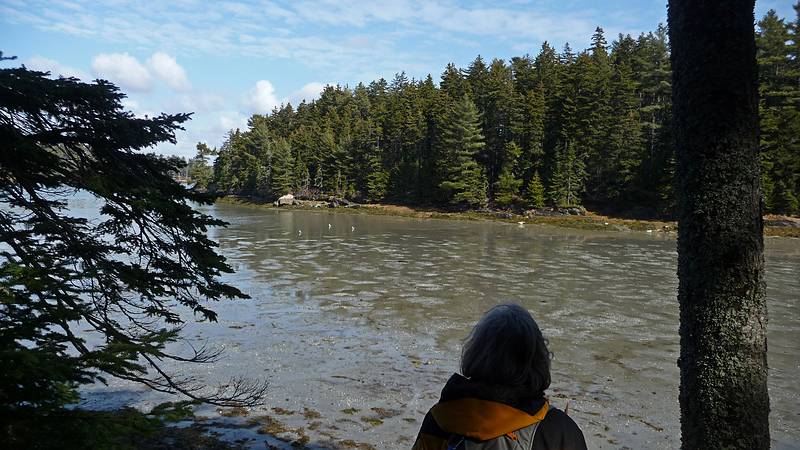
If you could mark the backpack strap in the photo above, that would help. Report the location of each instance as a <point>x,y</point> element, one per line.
<point>533,436</point>
<point>531,429</point>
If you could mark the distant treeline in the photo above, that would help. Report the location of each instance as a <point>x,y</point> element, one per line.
<point>557,129</point>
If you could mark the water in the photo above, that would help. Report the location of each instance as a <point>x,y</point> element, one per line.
<point>370,313</point>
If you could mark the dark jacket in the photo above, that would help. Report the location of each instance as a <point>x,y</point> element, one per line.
<point>482,413</point>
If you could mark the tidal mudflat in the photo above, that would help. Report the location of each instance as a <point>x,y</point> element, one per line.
<point>357,321</point>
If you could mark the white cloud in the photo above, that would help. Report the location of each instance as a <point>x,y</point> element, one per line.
<point>43,64</point>
<point>262,99</point>
<point>167,69</point>
<point>129,73</point>
<point>229,120</point>
<point>308,92</point>
<point>123,69</point>
<point>196,101</point>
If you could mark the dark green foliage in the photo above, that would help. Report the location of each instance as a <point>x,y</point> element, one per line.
<point>508,185</point>
<point>281,176</point>
<point>122,429</point>
<point>174,411</point>
<point>377,181</point>
<point>461,142</point>
<point>534,194</point>
<point>128,281</point>
<point>779,71</point>
<point>506,188</point>
<point>198,170</point>
<point>783,199</point>
<point>595,124</point>
<point>78,429</point>
<point>655,181</point>
<point>567,178</point>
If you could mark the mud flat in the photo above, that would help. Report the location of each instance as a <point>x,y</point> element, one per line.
<point>357,319</point>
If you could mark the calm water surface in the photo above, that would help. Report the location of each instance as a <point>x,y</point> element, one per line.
<point>362,312</point>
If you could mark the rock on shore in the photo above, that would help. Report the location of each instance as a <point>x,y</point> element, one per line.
<point>287,199</point>
<point>331,202</point>
<point>565,211</point>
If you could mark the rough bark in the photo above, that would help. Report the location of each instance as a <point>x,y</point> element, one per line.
<point>723,359</point>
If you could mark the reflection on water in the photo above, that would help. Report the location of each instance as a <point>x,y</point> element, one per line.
<point>353,311</point>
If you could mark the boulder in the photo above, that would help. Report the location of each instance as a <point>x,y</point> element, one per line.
<point>540,212</point>
<point>563,211</point>
<point>531,213</point>
<point>287,199</point>
<point>334,202</point>
<point>575,211</point>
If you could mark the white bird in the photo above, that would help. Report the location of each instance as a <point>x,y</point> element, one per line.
<point>299,232</point>
<point>329,226</point>
<point>353,228</point>
<point>649,231</point>
<point>605,223</point>
<point>521,223</point>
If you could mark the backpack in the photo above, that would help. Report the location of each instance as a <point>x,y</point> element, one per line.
<point>521,439</point>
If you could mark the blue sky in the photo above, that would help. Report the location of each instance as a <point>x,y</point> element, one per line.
<point>225,60</point>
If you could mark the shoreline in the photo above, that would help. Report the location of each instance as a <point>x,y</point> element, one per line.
<point>590,221</point>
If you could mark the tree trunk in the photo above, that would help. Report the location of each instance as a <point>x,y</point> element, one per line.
<point>723,313</point>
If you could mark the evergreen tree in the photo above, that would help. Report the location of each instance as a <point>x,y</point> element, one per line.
<point>568,169</point>
<point>653,73</point>
<point>528,128</point>
<point>256,157</point>
<point>377,181</point>
<point>282,169</point>
<point>119,280</point>
<point>318,178</point>
<point>566,182</point>
<point>300,175</point>
<point>595,116</point>
<point>549,75</point>
<point>233,169</point>
<point>199,171</point>
<point>624,152</point>
<point>507,185</point>
<point>493,90</point>
<point>461,141</point>
<point>431,104</point>
<point>534,194</point>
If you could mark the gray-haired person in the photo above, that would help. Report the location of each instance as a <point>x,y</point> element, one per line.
<point>498,402</point>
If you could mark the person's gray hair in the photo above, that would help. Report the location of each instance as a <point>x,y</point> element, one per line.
<point>507,348</point>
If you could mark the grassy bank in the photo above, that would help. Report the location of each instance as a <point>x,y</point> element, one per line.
<point>591,221</point>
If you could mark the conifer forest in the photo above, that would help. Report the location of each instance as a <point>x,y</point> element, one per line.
<point>562,128</point>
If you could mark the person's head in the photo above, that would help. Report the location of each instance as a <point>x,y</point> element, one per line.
<point>507,348</point>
